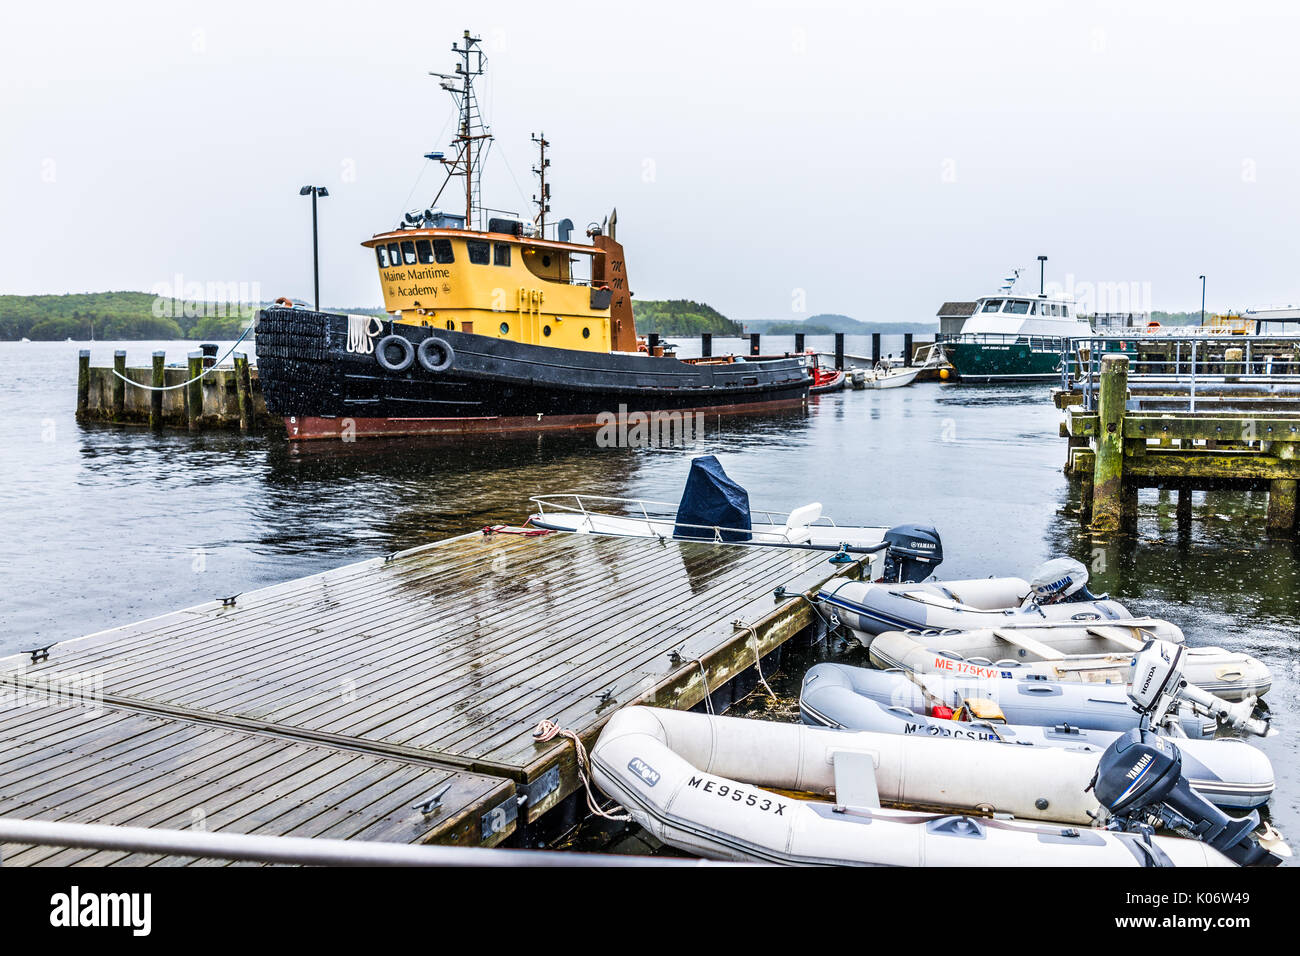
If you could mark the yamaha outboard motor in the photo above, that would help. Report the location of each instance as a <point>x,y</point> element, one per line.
<point>914,552</point>
<point>1140,779</point>
<point>1060,581</point>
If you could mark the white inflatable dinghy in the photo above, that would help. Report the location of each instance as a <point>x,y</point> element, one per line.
<point>1228,772</point>
<point>1015,652</point>
<point>697,782</point>
<point>1057,593</point>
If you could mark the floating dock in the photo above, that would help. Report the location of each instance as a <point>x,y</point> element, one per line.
<point>393,699</point>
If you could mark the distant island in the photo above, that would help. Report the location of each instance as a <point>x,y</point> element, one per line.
<point>115,316</point>
<point>827,323</point>
<point>681,317</point>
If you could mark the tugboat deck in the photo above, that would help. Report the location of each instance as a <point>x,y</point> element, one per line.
<point>332,704</point>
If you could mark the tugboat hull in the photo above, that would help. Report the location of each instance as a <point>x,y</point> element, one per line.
<point>327,382</point>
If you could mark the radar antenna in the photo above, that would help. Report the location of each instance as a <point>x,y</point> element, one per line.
<point>473,138</point>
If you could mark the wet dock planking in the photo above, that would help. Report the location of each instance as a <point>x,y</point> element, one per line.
<point>371,686</point>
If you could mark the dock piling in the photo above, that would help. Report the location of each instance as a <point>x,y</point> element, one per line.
<point>156,396</point>
<point>244,391</point>
<point>119,385</point>
<point>1110,509</point>
<point>83,382</point>
<point>907,349</point>
<point>875,348</point>
<point>798,341</point>
<point>706,344</point>
<point>753,343</point>
<point>194,392</point>
<point>839,350</point>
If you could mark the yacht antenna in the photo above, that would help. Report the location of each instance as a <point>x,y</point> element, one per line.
<point>473,138</point>
<point>543,200</point>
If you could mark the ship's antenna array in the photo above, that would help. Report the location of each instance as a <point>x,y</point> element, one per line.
<point>543,199</point>
<point>473,138</point>
<point>1008,282</point>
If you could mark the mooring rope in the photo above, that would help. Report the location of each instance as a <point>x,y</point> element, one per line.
<point>170,388</point>
<point>549,730</point>
<point>758,658</point>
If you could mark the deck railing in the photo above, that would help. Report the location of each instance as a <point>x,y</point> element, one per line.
<point>1186,372</point>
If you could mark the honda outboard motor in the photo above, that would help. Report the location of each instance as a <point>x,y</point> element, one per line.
<point>1140,778</point>
<point>914,552</point>
<point>1060,581</point>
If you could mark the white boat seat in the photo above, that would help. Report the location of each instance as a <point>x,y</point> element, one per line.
<point>796,525</point>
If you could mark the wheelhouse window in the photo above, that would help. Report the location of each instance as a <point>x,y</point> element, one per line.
<point>408,252</point>
<point>501,254</point>
<point>442,253</point>
<point>480,253</point>
<point>382,255</point>
<point>1018,307</point>
<point>423,251</point>
<point>993,305</point>
<point>394,257</point>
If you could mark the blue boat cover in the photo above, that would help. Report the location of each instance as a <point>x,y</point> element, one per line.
<point>713,500</point>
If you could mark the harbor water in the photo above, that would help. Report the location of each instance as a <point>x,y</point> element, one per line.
<point>106,525</point>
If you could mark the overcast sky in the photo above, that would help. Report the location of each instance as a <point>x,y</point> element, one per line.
<point>879,157</point>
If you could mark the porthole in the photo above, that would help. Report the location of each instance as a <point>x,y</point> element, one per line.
<point>586,333</point>
<point>505,328</point>
<point>546,262</point>
<point>451,325</point>
<point>546,330</point>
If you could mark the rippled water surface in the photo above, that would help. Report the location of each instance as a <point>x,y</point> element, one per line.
<point>106,525</point>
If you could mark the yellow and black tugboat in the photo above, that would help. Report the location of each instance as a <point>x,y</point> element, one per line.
<point>494,324</point>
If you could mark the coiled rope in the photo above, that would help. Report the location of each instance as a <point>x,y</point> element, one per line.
<point>171,388</point>
<point>549,730</point>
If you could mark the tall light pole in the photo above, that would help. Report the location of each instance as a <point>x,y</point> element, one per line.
<point>1042,264</point>
<point>314,191</point>
<point>1202,278</point>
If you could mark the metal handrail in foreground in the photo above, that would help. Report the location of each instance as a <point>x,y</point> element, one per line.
<point>302,851</point>
<point>776,518</point>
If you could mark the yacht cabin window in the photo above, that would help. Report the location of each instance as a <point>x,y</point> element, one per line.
<point>1018,307</point>
<point>992,305</point>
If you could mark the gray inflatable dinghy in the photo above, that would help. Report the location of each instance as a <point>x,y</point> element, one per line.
<point>1227,771</point>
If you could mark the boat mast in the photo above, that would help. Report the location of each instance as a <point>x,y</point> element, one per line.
<point>472,136</point>
<point>543,200</point>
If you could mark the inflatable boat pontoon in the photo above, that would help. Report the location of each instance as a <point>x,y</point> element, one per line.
<point>1026,701</point>
<point>1058,593</point>
<point>1228,771</point>
<point>1105,655</point>
<point>698,783</point>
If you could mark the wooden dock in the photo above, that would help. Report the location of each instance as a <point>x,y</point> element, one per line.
<point>1242,436</point>
<point>337,703</point>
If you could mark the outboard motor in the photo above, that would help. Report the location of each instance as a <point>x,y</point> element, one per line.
<point>1060,581</point>
<point>914,552</point>
<point>1140,779</point>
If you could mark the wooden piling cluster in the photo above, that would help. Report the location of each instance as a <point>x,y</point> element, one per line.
<point>197,396</point>
<point>1114,450</point>
<point>394,699</point>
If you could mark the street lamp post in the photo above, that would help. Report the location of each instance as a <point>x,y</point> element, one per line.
<point>1042,264</point>
<point>1202,278</point>
<point>314,191</point>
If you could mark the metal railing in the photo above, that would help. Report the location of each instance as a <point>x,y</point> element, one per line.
<point>1170,372</point>
<point>772,530</point>
<point>300,851</point>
